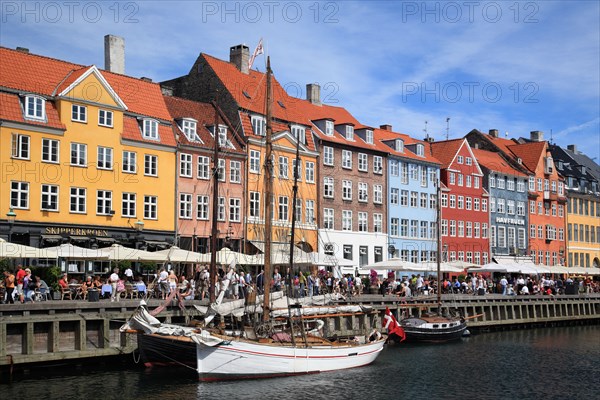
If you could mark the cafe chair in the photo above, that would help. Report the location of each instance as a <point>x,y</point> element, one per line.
<point>66,292</point>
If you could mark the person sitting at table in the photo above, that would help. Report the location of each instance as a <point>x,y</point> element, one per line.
<point>186,292</point>
<point>64,282</point>
<point>97,284</point>
<point>87,285</point>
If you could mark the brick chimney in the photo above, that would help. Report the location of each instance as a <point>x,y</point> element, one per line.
<point>239,56</point>
<point>537,136</point>
<point>114,54</point>
<point>493,133</point>
<point>313,93</point>
<point>386,127</point>
<point>572,148</point>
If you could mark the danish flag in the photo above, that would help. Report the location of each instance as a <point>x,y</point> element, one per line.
<point>392,326</point>
<point>259,50</point>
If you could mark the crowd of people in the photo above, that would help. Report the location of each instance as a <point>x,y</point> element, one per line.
<point>22,286</point>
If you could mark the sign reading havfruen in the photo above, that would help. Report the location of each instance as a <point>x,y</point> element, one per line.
<point>513,221</point>
<point>76,231</point>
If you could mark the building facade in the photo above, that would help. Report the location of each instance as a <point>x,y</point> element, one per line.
<point>85,159</point>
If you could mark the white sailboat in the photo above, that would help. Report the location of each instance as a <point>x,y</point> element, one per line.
<point>277,346</point>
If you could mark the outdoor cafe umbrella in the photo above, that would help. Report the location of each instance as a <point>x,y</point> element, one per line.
<point>116,252</point>
<point>69,251</point>
<point>226,256</point>
<point>396,264</point>
<point>14,250</point>
<point>177,255</point>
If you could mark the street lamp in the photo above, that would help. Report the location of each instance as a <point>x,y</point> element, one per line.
<point>139,226</point>
<point>10,217</point>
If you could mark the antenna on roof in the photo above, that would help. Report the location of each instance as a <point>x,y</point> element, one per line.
<point>551,136</point>
<point>425,130</point>
<point>447,127</point>
<point>506,134</point>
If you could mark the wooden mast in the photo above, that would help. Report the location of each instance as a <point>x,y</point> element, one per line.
<point>439,243</point>
<point>268,189</point>
<point>215,210</point>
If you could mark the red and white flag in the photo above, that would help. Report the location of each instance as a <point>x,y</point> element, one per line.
<point>259,50</point>
<point>392,326</point>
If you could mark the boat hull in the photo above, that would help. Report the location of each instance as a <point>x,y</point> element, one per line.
<point>433,330</point>
<point>156,350</point>
<point>252,360</point>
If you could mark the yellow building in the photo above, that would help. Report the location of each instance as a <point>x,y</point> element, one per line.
<point>87,156</point>
<point>583,230</point>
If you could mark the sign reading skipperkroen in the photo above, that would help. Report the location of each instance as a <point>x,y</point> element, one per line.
<point>76,231</point>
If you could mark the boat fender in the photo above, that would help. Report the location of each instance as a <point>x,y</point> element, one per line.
<point>317,329</point>
<point>374,336</point>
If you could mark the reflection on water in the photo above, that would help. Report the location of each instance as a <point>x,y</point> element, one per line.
<point>539,363</point>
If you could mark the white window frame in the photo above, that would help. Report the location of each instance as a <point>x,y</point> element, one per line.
<point>310,211</point>
<point>283,208</point>
<point>50,151</point>
<point>235,207</point>
<point>105,118</point>
<point>329,128</point>
<point>203,169</point>
<point>346,220</point>
<point>77,200</point>
<point>363,225</point>
<point>104,202</point>
<point>150,207</point>
<point>129,165</point>
<point>20,146</point>
<point>202,207</point>
<point>309,171</point>
<point>128,205</point>
<point>35,107</point>
<point>346,190</point>
<point>51,194</point>
<point>185,205</point>
<point>328,155</point>
<point>328,221</point>
<point>328,187</point>
<point>283,167</point>
<point>150,165</point>
<point>235,171</point>
<point>105,158</point>
<point>377,194</point>
<point>378,165</point>
<point>254,161</point>
<point>346,159</point>
<point>349,132</point>
<point>185,165</point>
<point>254,205</point>
<point>78,113</point>
<point>259,125</point>
<point>150,129</point>
<point>78,149</point>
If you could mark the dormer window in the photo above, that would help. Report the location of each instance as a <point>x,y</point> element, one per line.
<point>150,129</point>
<point>35,107</point>
<point>400,145</point>
<point>349,132</point>
<point>222,135</point>
<point>299,133</point>
<point>259,125</point>
<point>189,128</point>
<point>369,136</point>
<point>420,150</point>
<point>329,128</point>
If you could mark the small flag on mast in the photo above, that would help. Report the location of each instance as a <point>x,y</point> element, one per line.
<point>259,50</point>
<point>392,326</point>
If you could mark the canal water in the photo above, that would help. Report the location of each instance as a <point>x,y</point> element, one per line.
<point>550,363</point>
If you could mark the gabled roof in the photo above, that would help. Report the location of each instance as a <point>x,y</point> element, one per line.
<point>10,110</point>
<point>494,162</point>
<point>32,73</point>
<point>204,114</point>
<point>77,77</point>
<point>529,153</point>
<point>445,151</point>
<point>249,91</point>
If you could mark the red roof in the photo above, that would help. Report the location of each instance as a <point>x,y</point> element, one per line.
<point>42,75</point>
<point>530,153</point>
<point>10,110</point>
<point>204,114</point>
<point>132,131</point>
<point>446,150</point>
<point>385,135</point>
<point>502,144</point>
<point>494,162</point>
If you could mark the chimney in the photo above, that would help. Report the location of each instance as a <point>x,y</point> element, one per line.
<point>429,139</point>
<point>493,133</point>
<point>537,136</point>
<point>114,54</point>
<point>313,93</point>
<point>23,50</point>
<point>386,127</point>
<point>239,56</point>
<point>572,148</point>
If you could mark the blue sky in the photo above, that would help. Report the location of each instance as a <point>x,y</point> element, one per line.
<point>506,65</point>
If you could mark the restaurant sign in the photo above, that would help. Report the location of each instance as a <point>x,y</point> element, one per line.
<point>50,230</point>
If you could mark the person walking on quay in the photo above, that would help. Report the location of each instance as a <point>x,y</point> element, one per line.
<point>503,284</point>
<point>129,275</point>
<point>163,283</point>
<point>114,279</point>
<point>9,284</point>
